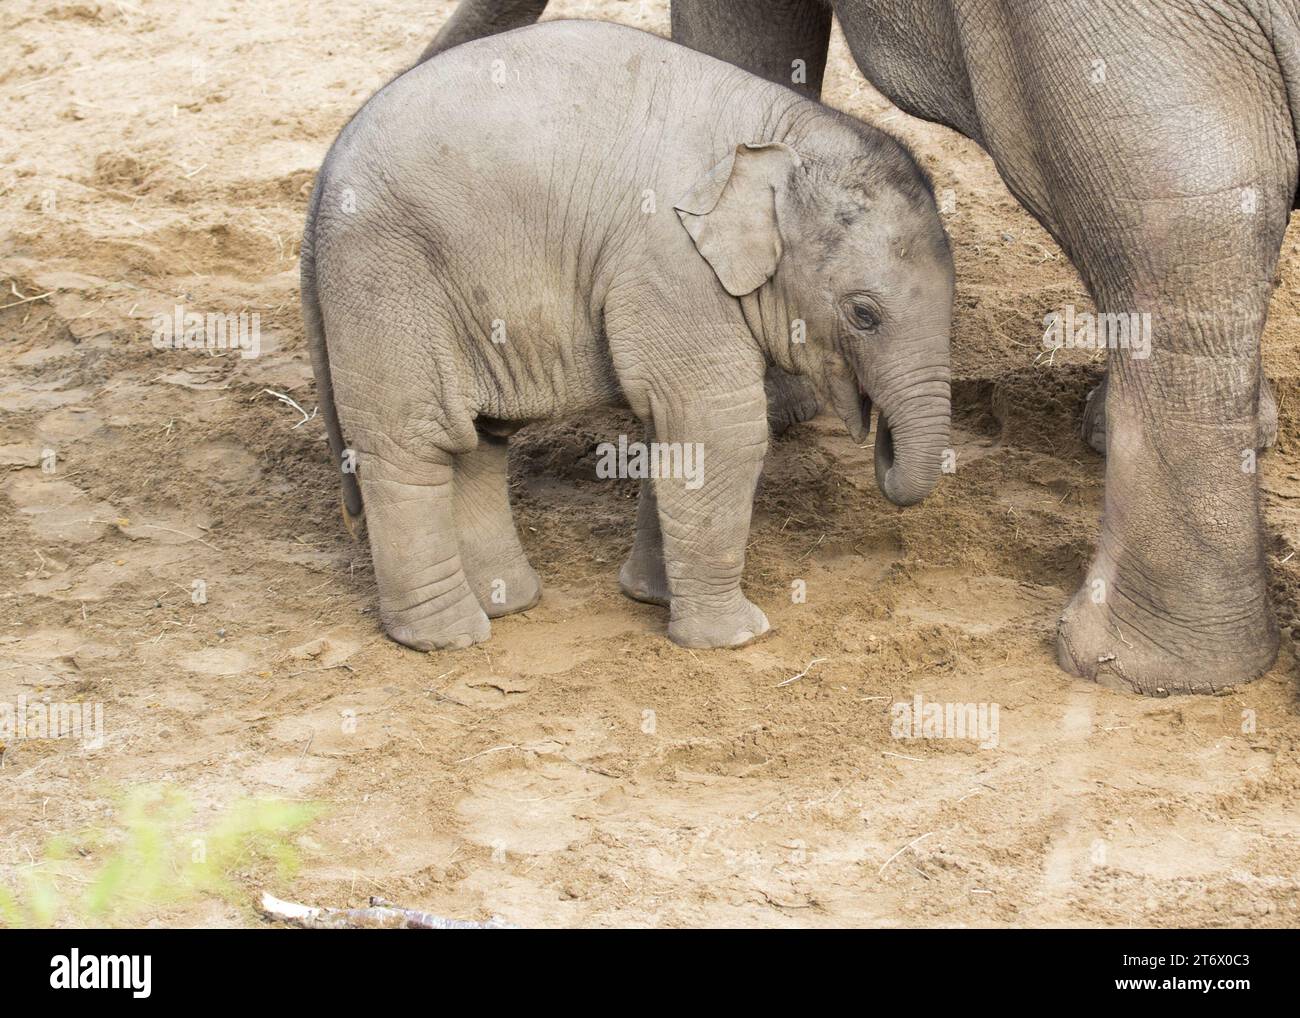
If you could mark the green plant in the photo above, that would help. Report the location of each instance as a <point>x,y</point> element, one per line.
<point>154,858</point>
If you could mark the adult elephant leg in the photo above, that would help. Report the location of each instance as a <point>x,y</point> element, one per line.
<point>1175,600</point>
<point>1166,169</point>
<point>782,40</point>
<point>1093,427</point>
<point>1094,417</point>
<point>493,559</point>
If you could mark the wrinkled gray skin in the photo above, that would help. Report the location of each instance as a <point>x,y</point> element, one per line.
<point>498,187</point>
<point>1156,142</point>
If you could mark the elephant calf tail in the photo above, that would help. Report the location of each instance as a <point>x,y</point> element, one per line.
<point>477,19</point>
<point>320,363</point>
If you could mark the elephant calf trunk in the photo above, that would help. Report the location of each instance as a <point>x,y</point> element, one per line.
<point>909,458</point>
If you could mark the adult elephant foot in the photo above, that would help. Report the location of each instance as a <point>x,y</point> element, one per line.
<point>731,624</point>
<point>1175,600</point>
<point>790,400</point>
<point>1094,417</point>
<point>1108,646</point>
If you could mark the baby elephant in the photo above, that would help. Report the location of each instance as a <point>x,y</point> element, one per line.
<point>504,234</point>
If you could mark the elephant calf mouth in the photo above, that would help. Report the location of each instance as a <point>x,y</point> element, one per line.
<point>859,427</point>
<point>884,458</point>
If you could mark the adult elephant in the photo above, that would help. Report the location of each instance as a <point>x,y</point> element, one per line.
<point>1156,141</point>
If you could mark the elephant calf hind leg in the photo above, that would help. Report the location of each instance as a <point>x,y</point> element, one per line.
<point>424,600</point>
<point>495,565</point>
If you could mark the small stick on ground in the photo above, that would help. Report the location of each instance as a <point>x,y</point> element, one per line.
<point>796,678</point>
<point>494,749</point>
<point>379,916</point>
<point>914,841</point>
<point>25,300</point>
<point>293,403</point>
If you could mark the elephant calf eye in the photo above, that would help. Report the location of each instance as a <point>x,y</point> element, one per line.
<point>864,317</point>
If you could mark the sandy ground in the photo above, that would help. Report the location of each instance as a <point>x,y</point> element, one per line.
<point>578,768</point>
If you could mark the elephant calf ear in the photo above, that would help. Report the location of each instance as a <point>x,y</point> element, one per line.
<point>730,213</point>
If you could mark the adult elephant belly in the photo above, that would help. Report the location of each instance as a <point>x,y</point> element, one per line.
<point>1156,144</point>
<point>912,52</point>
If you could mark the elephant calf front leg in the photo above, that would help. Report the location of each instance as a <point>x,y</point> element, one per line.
<point>424,599</point>
<point>704,521</point>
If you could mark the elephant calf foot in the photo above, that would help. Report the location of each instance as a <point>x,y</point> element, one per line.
<point>704,628</point>
<point>1093,643</point>
<point>455,628</point>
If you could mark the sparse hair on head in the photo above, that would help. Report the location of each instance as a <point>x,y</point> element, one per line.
<point>876,165</point>
<point>883,162</point>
